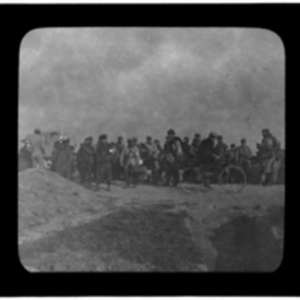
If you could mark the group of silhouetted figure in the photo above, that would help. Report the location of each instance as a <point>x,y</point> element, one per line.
<point>147,162</point>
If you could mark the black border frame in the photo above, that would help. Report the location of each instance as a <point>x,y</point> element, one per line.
<point>20,18</point>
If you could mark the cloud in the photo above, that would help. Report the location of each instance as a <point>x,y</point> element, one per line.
<point>136,80</point>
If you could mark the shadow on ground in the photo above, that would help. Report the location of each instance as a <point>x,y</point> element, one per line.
<point>250,244</point>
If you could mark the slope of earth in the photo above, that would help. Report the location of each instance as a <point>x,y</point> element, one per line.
<point>46,201</point>
<point>65,227</point>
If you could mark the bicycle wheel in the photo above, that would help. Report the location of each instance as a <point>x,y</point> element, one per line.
<point>232,179</point>
<point>189,180</point>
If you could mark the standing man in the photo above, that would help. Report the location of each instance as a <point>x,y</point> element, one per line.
<point>130,161</point>
<point>207,149</point>
<point>271,159</point>
<point>85,160</point>
<point>64,159</point>
<point>103,160</point>
<point>36,142</point>
<point>173,155</point>
<point>243,155</point>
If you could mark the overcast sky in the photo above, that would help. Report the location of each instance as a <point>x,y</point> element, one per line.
<point>143,81</point>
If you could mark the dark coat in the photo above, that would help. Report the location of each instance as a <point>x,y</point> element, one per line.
<point>103,154</point>
<point>206,151</point>
<point>64,160</point>
<point>85,154</point>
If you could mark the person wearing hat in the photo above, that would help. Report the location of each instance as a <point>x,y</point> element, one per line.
<point>173,157</point>
<point>207,149</point>
<point>36,142</point>
<point>86,160</point>
<point>269,152</point>
<point>103,161</point>
<point>243,155</point>
<point>64,160</point>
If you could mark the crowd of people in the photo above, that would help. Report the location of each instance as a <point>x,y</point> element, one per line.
<point>104,161</point>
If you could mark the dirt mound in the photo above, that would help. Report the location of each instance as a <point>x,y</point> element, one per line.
<point>43,194</point>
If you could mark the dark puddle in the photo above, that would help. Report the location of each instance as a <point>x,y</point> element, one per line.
<point>247,244</point>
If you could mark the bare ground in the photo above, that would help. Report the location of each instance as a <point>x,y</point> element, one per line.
<point>66,227</point>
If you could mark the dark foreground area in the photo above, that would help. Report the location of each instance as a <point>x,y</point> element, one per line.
<point>146,239</point>
<point>156,239</point>
<point>250,244</point>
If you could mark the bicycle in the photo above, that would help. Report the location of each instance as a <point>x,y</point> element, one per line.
<point>230,177</point>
